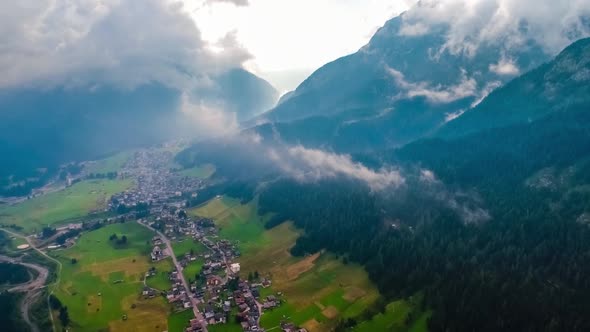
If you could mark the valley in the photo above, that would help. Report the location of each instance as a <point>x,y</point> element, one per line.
<point>106,282</point>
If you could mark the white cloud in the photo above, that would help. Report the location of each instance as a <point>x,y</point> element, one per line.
<point>311,164</point>
<point>416,29</point>
<point>208,118</point>
<point>505,67</point>
<point>127,43</point>
<point>506,23</point>
<point>435,94</point>
<point>288,37</point>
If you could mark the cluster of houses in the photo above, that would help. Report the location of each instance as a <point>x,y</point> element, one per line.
<point>156,185</point>
<point>217,291</point>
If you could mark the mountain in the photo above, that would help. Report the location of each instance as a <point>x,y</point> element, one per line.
<point>397,88</point>
<point>45,127</point>
<point>491,224</point>
<point>557,85</point>
<point>247,94</point>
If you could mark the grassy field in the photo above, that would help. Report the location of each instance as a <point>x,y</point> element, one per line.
<point>236,222</point>
<point>185,246</point>
<point>62,206</point>
<point>106,282</point>
<point>178,321</point>
<point>192,269</point>
<point>318,289</point>
<point>111,164</point>
<point>395,318</point>
<point>201,172</point>
<point>161,280</point>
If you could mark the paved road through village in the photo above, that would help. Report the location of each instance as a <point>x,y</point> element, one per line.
<point>170,251</point>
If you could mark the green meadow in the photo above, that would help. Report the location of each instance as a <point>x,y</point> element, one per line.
<point>236,222</point>
<point>178,321</point>
<point>62,206</point>
<point>318,290</point>
<point>111,164</point>
<point>185,246</point>
<point>401,315</point>
<point>202,172</point>
<point>192,269</point>
<point>161,281</point>
<point>105,282</point>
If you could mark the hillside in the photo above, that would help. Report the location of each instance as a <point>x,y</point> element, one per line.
<point>491,225</point>
<point>397,88</point>
<point>45,127</point>
<point>557,85</point>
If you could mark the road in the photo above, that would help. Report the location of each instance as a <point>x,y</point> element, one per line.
<point>191,296</point>
<point>26,304</point>
<point>32,289</point>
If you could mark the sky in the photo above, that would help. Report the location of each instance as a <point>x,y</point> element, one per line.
<point>184,43</point>
<point>289,39</point>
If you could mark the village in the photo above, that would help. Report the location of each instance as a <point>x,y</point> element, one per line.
<point>217,294</point>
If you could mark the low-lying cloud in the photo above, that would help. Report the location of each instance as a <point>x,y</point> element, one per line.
<point>312,165</point>
<point>438,94</point>
<point>505,23</point>
<point>124,43</point>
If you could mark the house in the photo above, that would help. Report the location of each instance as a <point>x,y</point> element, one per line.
<point>235,267</point>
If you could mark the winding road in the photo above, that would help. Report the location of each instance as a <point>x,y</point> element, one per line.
<point>33,293</point>
<point>191,296</point>
<point>32,289</point>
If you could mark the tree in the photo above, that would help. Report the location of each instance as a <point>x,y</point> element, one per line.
<point>74,261</point>
<point>48,232</point>
<point>256,275</point>
<point>64,316</point>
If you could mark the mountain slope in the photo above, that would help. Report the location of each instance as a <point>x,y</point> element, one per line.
<point>45,127</point>
<point>398,87</point>
<point>557,85</point>
<point>491,225</point>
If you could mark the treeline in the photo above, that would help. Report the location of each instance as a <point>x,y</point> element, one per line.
<point>510,275</point>
<point>13,273</point>
<point>9,313</point>
<point>524,270</point>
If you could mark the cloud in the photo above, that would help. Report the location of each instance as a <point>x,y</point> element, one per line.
<point>311,165</point>
<point>466,206</point>
<point>126,43</point>
<point>416,29</point>
<point>235,2</point>
<point>505,67</point>
<point>438,94</point>
<point>504,23</point>
<point>208,118</point>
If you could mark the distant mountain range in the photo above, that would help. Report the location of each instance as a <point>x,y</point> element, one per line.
<point>45,127</point>
<point>397,88</point>
<point>491,223</point>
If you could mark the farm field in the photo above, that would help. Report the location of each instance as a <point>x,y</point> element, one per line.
<point>236,222</point>
<point>62,206</point>
<point>105,282</point>
<point>202,172</point>
<point>395,318</point>
<point>192,269</point>
<point>318,289</point>
<point>111,164</point>
<point>185,246</point>
<point>178,321</point>
<point>161,281</point>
